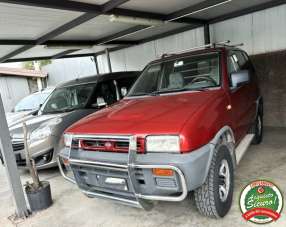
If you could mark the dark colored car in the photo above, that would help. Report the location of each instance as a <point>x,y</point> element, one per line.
<point>68,103</point>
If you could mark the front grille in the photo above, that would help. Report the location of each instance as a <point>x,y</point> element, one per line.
<point>18,146</point>
<point>107,145</point>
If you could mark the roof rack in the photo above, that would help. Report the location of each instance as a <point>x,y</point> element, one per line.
<point>211,45</point>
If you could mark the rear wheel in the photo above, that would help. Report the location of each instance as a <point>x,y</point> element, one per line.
<point>214,197</point>
<point>257,129</point>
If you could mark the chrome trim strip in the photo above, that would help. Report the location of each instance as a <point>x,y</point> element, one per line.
<point>117,199</point>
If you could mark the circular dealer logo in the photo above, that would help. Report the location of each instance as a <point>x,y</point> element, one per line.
<point>261,202</point>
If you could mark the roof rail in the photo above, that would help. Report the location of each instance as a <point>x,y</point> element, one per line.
<point>211,45</point>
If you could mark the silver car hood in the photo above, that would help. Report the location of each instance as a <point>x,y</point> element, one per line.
<point>17,117</point>
<point>34,122</point>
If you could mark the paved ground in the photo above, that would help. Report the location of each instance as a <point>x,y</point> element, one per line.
<point>72,208</point>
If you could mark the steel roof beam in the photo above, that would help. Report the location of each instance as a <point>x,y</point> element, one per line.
<point>63,42</point>
<point>248,10</point>
<point>108,9</point>
<point>66,27</point>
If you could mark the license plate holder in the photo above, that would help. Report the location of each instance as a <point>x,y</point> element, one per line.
<point>116,183</point>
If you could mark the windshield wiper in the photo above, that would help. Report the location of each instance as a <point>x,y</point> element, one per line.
<point>155,93</point>
<point>60,111</point>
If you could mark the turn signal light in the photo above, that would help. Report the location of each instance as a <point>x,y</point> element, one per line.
<point>163,172</point>
<point>66,162</point>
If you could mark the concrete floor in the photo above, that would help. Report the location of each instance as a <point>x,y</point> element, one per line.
<point>72,208</point>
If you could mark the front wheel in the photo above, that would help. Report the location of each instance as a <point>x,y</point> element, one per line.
<point>214,197</point>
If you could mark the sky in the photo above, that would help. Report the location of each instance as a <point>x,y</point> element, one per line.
<point>12,65</point>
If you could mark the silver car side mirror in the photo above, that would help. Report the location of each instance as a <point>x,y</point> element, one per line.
<point>240,78</point>
<point>124,91</point>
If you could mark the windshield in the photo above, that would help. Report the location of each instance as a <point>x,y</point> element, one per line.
<point>31,102</point>
<point>68,98</point>
<point>189,73</point>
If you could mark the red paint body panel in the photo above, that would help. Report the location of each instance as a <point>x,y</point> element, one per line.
<point>195,116</point>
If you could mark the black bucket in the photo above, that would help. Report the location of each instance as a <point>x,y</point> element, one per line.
<point>40,199</point>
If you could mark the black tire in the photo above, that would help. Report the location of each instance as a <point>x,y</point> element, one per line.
<point>207,197</point>
<point>257,129</point>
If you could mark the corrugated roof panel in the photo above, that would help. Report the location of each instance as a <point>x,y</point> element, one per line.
<point>97,2</point>
<point>226,8</point>
<point>146,33</point>
<point>4,50</point>
<point>96,28</point>
<point>38,51</point>
<point>159,6</point>
<point>26,22</point>
<point>93,50</point>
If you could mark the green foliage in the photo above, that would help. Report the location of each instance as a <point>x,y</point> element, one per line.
<point>30,64</point>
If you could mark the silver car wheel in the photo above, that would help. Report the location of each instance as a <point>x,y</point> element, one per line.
<point>224,180</point>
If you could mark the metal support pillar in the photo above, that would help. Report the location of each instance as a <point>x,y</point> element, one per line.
<point>11,167</point>
<point>207,34</point>
<point>108,60</point>
<point>96,64</point>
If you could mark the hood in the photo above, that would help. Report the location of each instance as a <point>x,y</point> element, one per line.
<point>59,122</point>
<point>165,114</point>
<point>16,130</point>
<point>17,117</point>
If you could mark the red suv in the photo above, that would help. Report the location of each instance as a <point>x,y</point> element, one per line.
<point>183,127</point>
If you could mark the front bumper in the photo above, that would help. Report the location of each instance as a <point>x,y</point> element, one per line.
<point>44,152</point>
<point>138,186</point>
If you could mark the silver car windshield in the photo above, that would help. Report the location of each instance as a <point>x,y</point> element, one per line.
<point>187,73</point>
<point>68,99</point>
<point>31,102</point>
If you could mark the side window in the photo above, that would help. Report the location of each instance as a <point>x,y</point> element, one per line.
<point>124,83</point>
<point>232,65</point>
<point>105,91</point>
<point>242,60</point>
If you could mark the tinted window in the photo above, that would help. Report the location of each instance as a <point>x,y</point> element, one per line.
<point>125,83</point>
<point>105,90</point>
<point>68,98</point>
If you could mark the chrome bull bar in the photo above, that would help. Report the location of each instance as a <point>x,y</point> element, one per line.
<point>142,200</point>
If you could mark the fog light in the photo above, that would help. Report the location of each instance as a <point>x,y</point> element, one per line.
<point>163,172</point>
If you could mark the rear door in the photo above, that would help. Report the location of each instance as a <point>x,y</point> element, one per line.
<point>242,98</point>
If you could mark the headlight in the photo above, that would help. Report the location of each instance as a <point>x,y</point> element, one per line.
<point>167,144</point>
<point>68,139</point>
<point>45,130</point>
<point>40,133</point>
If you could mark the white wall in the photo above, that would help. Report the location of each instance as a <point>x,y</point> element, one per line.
<point>261,32</point>
<point>62,70</point>
<point>12,90</point>
<point>135,58</point>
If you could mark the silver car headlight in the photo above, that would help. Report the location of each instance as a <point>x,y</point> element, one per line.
<point>162,143</point>
<point>68,139</point>
<point>44,131</point>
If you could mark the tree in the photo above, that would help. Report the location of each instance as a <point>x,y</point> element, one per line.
<point>31,64</point>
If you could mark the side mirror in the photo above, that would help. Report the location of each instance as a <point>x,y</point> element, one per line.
<point>240,78</point>
<point>124,91</point>
<point>100,102</point>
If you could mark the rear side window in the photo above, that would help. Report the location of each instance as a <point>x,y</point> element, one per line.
<point>125,83</point>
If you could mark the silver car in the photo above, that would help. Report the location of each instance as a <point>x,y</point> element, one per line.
<point>28,106</point>
<point>67,104</point>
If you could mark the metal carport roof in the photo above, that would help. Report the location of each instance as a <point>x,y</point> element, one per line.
<point>33,29</point>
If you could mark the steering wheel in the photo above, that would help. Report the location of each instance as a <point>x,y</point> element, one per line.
<point>204,78</point>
